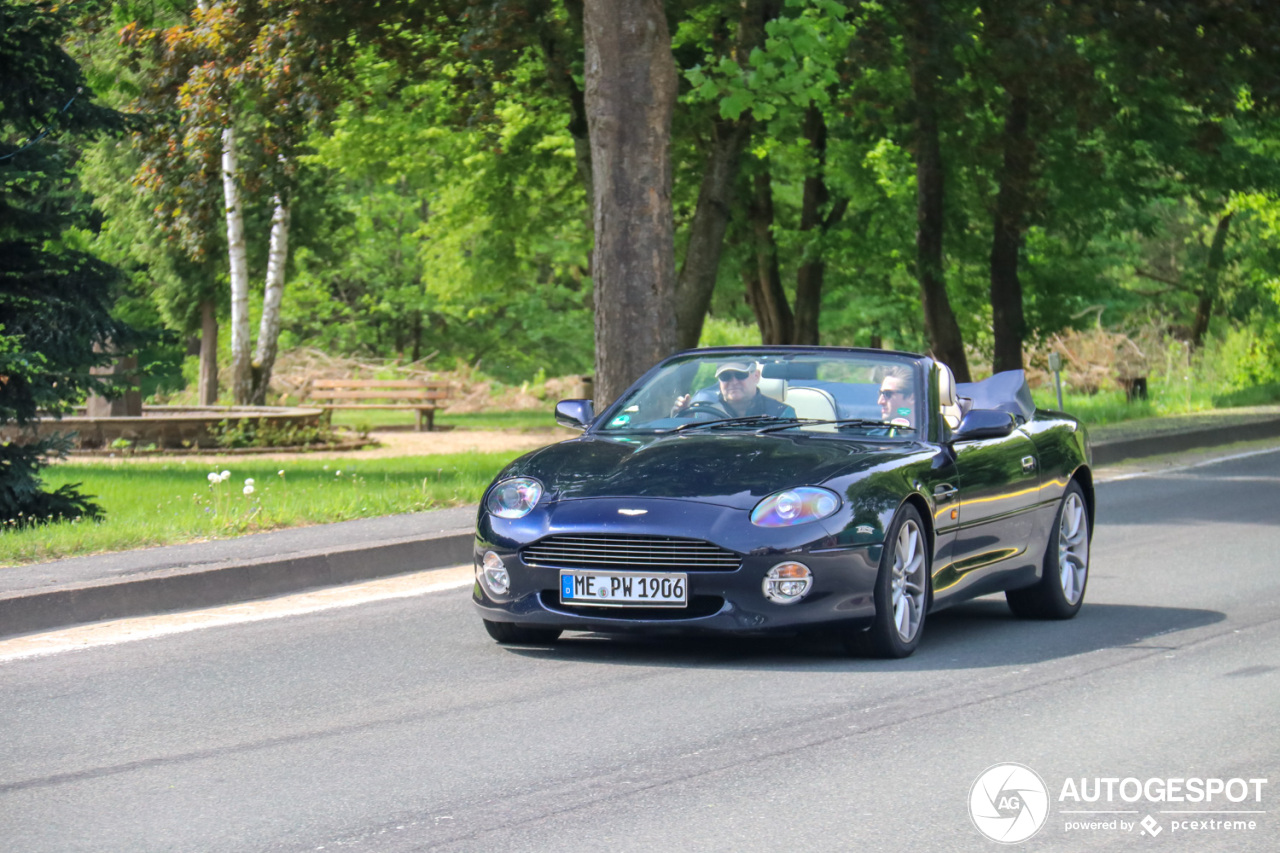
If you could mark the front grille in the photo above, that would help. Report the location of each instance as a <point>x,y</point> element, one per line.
<point>634,553</point>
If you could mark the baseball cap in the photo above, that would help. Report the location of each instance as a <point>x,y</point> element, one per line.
<point>740,366</point>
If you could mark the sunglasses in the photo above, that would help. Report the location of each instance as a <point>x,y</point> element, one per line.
<point>733,376</point>
<point>889,392</point>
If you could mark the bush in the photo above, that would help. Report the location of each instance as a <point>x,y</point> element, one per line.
<point>262,432</point>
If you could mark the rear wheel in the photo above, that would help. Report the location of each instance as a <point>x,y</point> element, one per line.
<point>506,632</point>
<point>901,593</point>
<point>1060,592</point>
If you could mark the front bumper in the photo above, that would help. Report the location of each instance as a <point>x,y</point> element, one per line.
<point>718,601</point>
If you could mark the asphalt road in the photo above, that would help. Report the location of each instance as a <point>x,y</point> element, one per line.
<point>399,725</point>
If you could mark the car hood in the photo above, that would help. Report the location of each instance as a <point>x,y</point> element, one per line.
<point>731,470</point>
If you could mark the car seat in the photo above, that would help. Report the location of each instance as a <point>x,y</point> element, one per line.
<point>812,403</point>
<point>948,401</point>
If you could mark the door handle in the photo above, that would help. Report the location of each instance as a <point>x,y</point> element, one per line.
<point>1028,464</point>
<point>944,492</point>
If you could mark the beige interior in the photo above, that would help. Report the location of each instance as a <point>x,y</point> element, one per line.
<point>775,388</point>
<point>813,403</point>
<point>947,398</point>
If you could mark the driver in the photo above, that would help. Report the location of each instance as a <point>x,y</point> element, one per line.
<point>738,395</point>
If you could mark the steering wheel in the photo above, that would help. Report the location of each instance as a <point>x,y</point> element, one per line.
<point>704,406</point>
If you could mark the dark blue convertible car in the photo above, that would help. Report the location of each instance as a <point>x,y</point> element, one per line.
<point>786,489</point>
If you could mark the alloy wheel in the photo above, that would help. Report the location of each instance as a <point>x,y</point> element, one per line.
<point>1073,547</point>
<point>908,582</point>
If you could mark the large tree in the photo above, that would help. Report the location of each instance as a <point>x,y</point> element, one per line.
<point>630,94</point>
<point>55,301</point>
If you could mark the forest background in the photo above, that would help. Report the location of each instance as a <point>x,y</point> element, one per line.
<point>415,180</point>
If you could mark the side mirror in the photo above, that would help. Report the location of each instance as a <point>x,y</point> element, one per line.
<point>984,423</point>
<point>575,414</point>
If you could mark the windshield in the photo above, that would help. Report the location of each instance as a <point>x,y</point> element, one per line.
<point>767,390</point>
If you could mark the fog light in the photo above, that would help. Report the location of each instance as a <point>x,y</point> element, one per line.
<point>787,583</point>
<point>492,574</point>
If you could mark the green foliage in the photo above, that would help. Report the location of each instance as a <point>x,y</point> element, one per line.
<point>467,242</point>
<point>264,432</point>
<point>726,332</point>
<point>441,209</point>
<point>55,299</point>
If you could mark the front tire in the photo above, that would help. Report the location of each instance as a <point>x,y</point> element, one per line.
<point>901,592</point>
<point>506,632</point>
<point>1060,591</point>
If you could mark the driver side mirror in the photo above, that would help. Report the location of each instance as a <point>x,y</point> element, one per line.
<point>575,414</point>
<point>984,423</point>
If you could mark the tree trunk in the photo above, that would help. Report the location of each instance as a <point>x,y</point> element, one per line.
<point>208,384</point>
<point>940,324</point>
<point>1008,234</point>
<point>764,289</point>
<point>1213,271</point>
<point>697,280</point>
<point>264,356</point>
<point>630,95</point>
<point>241,364</point>
<point>815,223</point>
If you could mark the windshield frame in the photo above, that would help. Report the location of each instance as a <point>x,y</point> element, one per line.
<point>921,368</point>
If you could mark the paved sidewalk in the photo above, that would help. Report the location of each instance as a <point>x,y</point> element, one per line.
<point>58,594</point>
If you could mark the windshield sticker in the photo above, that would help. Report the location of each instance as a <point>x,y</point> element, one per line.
<point>620,421</point>
<point>904,412</point>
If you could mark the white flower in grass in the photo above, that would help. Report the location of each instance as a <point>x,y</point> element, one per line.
<point>214,478</point>
<point>248,481</point>
<point>225,475</point>
<point>248,490</point>
<point>338,473</point>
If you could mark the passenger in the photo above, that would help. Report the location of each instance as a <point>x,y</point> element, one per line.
<point>896,399</point>
<point>738,395</point>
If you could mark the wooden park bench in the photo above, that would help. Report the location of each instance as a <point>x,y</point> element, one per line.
<point>422,395</point>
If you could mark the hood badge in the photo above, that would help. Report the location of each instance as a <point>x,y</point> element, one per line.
<point>632,511</point>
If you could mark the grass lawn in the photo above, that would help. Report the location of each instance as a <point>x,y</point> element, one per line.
<point>1176,398</point>
<point>160,503</point>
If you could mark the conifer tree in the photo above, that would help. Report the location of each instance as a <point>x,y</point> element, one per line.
<point>55,301</point>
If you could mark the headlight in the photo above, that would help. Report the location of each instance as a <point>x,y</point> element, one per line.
<point>514,498</point>
<point>795,506</point>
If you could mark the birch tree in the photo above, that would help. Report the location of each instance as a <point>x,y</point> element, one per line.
<point>253,77</point>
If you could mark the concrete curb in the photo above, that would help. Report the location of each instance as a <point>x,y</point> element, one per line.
<point>170,590</point>
<point>137,584</point>
<point>1110,451</point>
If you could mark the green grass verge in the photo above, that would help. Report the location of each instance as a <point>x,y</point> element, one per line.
<point>1163,399</point>
<point>162,503</point>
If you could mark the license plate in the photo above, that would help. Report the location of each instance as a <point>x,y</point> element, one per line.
<point>620,589</point>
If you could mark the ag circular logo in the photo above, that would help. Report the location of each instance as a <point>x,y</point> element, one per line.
<point>1009,803</point>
